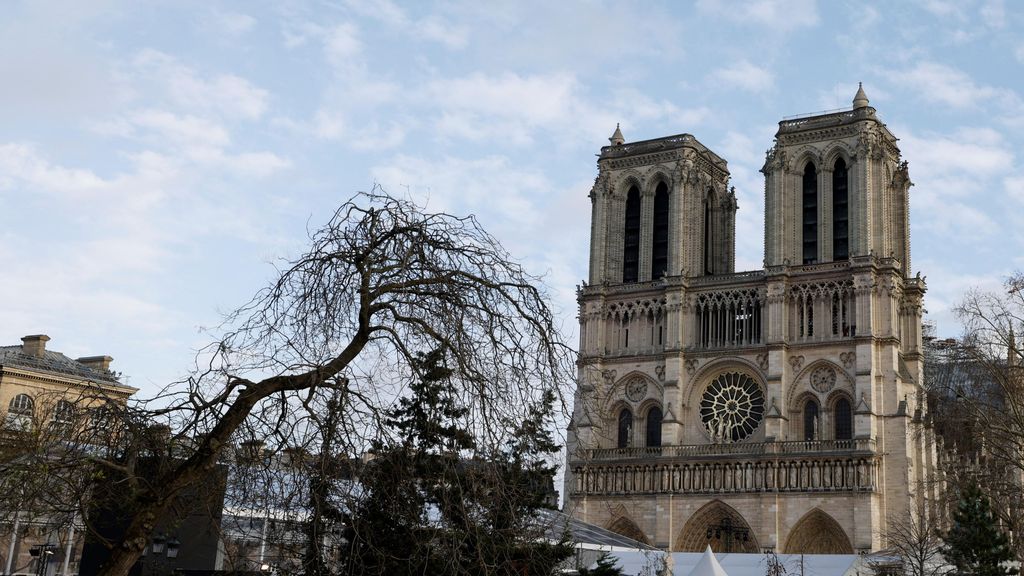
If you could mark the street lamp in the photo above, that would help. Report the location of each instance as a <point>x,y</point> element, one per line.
<point>158,545</point>
<point>43,552</point>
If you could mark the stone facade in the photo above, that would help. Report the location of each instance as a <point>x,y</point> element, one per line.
<point>43,395</point>
<point>774,409</point>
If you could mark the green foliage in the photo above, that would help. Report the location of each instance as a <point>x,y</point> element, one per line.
<point>975,545</point>
<point>438,503</point>
<point>607,565</point>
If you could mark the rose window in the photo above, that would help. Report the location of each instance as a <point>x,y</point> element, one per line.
<point>823,378</point>
<point>732,407</point>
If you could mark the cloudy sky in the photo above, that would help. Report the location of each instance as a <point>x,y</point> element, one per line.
<point>156,157</point>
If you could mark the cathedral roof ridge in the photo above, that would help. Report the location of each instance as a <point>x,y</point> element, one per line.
<point>657,144</point>
<point>814,120</point>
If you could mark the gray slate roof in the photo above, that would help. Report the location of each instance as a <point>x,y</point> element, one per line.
<point>54,363</point>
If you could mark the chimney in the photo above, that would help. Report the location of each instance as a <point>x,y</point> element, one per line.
<point>98,363</point>
<point>34,345</point>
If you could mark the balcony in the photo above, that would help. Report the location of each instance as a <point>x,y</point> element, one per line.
<point>732,451</point>
<point>764,467</point>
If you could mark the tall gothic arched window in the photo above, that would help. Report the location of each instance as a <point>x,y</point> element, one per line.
<point>659,237</point>
<point>631,237</point>
<point>709,230</point>
<point>843,417</point>
<point>810,206</point>
<point>654,418</point>
<point>840,212</point>
<point>810,419</point>
<point>625,427</point>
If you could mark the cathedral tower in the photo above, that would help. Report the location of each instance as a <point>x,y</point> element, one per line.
<point>775,409</point>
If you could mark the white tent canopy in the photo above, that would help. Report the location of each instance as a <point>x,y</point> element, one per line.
<point>648,562</point>
<point>708,565</point>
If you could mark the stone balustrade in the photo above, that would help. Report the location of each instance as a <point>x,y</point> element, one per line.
<point>780,474</point>
<point>802,447</point>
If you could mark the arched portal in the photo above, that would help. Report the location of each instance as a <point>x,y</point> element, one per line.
<point>719,525</point>
<point>817,533</point>
<point>629,529</point>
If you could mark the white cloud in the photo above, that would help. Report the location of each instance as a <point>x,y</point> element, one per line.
<point>777,15</point>
<point>1014,186</point>
<point>190,132</point>
<point>505,107</point>
<point>433,28</point>
<point>22,163</point>
<point>942,84</point>
<point>972,152</point>
<point>993,13</point>
<point>640,107</point>
<point>945,8</point>
<point>228,95</point>
<point>233,24</point>
<point>442,31</point>
<point>745,76</point>
<point>342,45</point>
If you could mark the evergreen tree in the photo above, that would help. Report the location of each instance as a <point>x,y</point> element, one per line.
<point>607,565</point>
<point>436,503</point>
<point>975,545</point>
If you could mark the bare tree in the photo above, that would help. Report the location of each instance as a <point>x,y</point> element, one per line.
<point>381,281</point>
<point>976,389</point>
<point>918,543</point>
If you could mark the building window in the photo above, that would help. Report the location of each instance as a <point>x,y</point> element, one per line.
<point>810,204</point>
<point>19,412</point>
<point>810,420</point>
<point>625,427</point>
<point>64,411</point>
<point>709,230</point>
<point>654,427</point>
<point>843,419</point>
<point>731,407</point>
<point>631,238</point>
<point>840,212</point>
<point>659,248</point>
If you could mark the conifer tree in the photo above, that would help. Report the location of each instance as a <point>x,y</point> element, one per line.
<point>607,565</point>
<point>438,502</point>
<point>975,545</point>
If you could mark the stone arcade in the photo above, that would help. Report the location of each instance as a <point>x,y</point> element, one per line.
<point>773,409</point>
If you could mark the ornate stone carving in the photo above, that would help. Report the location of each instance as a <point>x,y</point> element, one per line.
<point>823,378</point>
<point>797,362</point>
<point>609,377</point>
<point>660,371</point>
<point>848,358</point>
<point>762,361</point>
<point>636,388</point>
<point>732,407</point>
<point>691,366</point>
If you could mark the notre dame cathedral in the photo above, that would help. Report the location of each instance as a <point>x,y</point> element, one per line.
<point>777,409</point>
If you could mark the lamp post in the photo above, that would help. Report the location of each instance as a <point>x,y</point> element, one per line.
<point>163,554</point>
<point>725,529</point>
<point>42,552</point>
